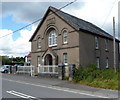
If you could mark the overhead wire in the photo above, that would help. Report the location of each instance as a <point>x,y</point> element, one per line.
<point>108,14</point>
<point>38,20</point>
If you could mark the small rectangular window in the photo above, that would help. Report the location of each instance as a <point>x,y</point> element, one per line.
<point>96,43</point>
<point>98,62</point>
<point>38,60</point>
<point>65,58</point>
<point>106,44</point>
<point>107,63</point>
<point>65,36</point>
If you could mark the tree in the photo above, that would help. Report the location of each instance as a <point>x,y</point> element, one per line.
<point>11,61</point>
<point>6,60</point>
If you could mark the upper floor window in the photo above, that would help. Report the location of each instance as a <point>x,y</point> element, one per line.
<point>106,44</point>
<point>65,36</point>
<point>96,43</point>
<point>39,43</point>
<point>52,40</point>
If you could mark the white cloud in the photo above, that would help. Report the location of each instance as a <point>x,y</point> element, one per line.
<point>5,42</point>
<point>95,11</point>
<point>19,47</point>
<point>27,12</point>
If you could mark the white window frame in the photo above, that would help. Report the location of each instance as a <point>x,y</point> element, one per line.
<point>38,60</point>
<point>96,43</point>
<point>65,36</point>
<point>65,58</point>
<point>106,44</point>
<point>107,63</point>
<point>52,39</point>
<point>98,62</point>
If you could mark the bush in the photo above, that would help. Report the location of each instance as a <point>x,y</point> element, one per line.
<point>83,73</point>
<point>93,76</point>
<point>108,74</point>
<point>77,75</point>
<point>89,79</point>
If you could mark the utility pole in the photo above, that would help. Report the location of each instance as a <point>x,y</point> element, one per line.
<point>114,47</point>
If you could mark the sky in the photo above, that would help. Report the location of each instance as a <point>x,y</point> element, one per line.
<point>16,14</point>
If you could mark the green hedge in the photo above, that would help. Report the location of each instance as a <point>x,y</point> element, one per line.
<point>93,76</point>
<point>84,73</point>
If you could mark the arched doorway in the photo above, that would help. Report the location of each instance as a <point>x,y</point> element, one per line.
<point>48,60</point>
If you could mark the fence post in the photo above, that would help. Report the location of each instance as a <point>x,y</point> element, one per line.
<point>53,69</point>
<point>30,70</point>
<point>61,71</point>
<point>71,71</point>
<point>48,68</point>
<point>38,69</point>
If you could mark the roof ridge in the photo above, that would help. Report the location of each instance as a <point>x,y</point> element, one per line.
<point>93,25</point>
<point>75,22</point>
<point>80,19</point>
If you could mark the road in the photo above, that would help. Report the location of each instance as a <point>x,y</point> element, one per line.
<point>19,89</point>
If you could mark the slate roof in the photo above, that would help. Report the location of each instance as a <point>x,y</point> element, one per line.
<point>77,23</point>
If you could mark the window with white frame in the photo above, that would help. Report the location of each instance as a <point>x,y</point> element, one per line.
<point>65,57</point>
<point>106,44</point>
<point>98,62</point>
<point>107,63</point>
<point>65,36</point>
<point>52,39</point>
<point>38,60</point>
<point>39,43</point>
<point>96,43</point>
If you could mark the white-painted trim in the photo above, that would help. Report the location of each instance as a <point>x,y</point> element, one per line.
<point>19,94</point>
<point>52,45</point>
<point>65,42</point>
<point>66,64</point>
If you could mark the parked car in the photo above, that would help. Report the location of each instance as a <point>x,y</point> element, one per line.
<point>4,68</point>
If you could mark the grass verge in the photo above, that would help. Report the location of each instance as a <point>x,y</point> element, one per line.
<point>100,78</point>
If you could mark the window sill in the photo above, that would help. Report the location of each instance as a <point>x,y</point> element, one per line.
<point>96,48</point>
<point>106,50</point>
<point>66,64</point>
<point>39,49</point>
<point>65,43</point>
<point>53,45</point>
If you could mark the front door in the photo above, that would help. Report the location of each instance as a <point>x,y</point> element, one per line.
<point>48,60</point>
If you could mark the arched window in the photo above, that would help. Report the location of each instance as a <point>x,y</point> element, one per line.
<point>52,39</point>
<point>39,42</point>
<point>65,36</point>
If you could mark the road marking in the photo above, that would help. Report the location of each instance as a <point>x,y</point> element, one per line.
<point>20,94</point>
<point>57,88</point>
